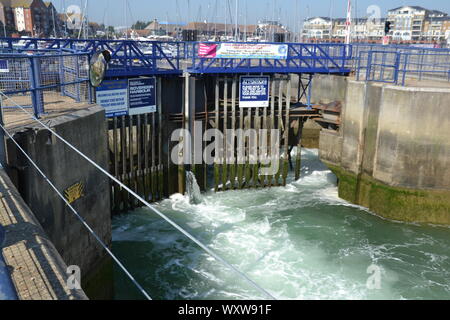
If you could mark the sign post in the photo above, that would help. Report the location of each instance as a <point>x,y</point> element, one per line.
<point>254,92</point>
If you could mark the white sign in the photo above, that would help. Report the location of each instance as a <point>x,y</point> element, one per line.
<point>142,96</point>
<point>113,96</point>
<point>243,51</point>
<point>254,92</point>
<point>4,66</point>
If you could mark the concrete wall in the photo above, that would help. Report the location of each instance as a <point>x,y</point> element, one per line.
<point>86,130</point>
<point>393,150</point>
<point>328,88</point>
<point>413,147</point>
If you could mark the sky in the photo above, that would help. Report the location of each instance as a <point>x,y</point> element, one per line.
<point>112,12</point>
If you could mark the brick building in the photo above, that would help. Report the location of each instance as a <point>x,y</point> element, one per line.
<point>28,17</point>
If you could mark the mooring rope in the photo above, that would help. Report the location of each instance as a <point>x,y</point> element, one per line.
<point>148,205</point>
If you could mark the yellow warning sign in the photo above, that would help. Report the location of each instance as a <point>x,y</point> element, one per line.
<point>75,192</point>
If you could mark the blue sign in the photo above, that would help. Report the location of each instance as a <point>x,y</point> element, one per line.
<point>4,66</point>
<point>254,92</point>
<point>142,96</point>
<point>113,96</point>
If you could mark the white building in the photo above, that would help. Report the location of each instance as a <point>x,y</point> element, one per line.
<point>408,22</point>
<point>317,28</point>
<point>19,15</point>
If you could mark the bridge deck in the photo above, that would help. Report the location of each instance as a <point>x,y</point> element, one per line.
<point>145,58</point>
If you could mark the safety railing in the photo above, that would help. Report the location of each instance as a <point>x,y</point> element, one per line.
<point>129,57</point>
<point>37,79</point>
<point>276,57</point>
<point>400,66</point>
<point>357,48</point>
<point>378,66</point>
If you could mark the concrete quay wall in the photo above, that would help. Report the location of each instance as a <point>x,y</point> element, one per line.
<point>392,153</point>
<point>87,188</point>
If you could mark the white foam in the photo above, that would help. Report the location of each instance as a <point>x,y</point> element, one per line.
<point>291,240</point>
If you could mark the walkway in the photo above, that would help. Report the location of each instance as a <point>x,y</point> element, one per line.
<point>37,270</point>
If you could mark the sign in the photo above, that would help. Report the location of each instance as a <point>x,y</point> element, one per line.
<point>141,96</point>
<point>113,96</point>
<point>4,66</point>
<point>75,192</point>
<point>254,92</point>
<point>386,40</point>
<point>243,51</point>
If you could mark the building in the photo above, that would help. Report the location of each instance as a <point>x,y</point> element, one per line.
<point>408,22</point>
<point>318,28</point>
<point>437,29</point>
<point>56,24</point>
<point>29,17</point>
<point>362,29</point>
<point>7,19</point>
<point>225,32</point>
<point>164,28</point>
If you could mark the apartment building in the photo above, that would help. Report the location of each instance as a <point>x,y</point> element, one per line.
<point>437,29</point>
<point>318,28</point>
<point>31,17</point>
<point>408,22</point>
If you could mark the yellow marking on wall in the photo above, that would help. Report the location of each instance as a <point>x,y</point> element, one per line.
<point>74,192</point>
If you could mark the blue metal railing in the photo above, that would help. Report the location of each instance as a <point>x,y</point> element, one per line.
<point>135,58</point>
<point>372,62</point>
<point>301,58</point>
<point>398,66</point>
<point>34,75</point>
<point>129,58</point>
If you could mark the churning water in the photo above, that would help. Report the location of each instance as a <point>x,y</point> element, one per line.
<point>297,242</point>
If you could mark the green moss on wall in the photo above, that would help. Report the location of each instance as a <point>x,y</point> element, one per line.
<point>401,204</point>
<point>347,183</point>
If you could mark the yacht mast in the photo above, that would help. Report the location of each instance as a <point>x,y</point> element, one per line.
<point>349,22</point>
<point>236,31</point>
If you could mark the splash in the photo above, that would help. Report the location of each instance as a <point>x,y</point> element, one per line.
<point>193,189</point>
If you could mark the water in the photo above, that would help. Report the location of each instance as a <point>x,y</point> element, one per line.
<point>298,242</point>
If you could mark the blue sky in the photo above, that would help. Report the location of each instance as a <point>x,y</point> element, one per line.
<point>111,12</point>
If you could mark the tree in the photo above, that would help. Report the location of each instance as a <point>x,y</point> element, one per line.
<point>139,25</point>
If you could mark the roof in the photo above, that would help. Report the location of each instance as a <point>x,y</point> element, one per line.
<point>446,18</point>
<point>324,18</point>
<point>419,8</point>
<point>155,25</point>
<point>17,3</point>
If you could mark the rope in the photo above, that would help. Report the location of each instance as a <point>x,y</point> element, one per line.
<point>148,205</point>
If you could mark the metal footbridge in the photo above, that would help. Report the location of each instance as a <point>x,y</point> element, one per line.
<point>138,58</point>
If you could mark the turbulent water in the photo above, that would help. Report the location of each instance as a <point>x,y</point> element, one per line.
<point>297,242</point>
